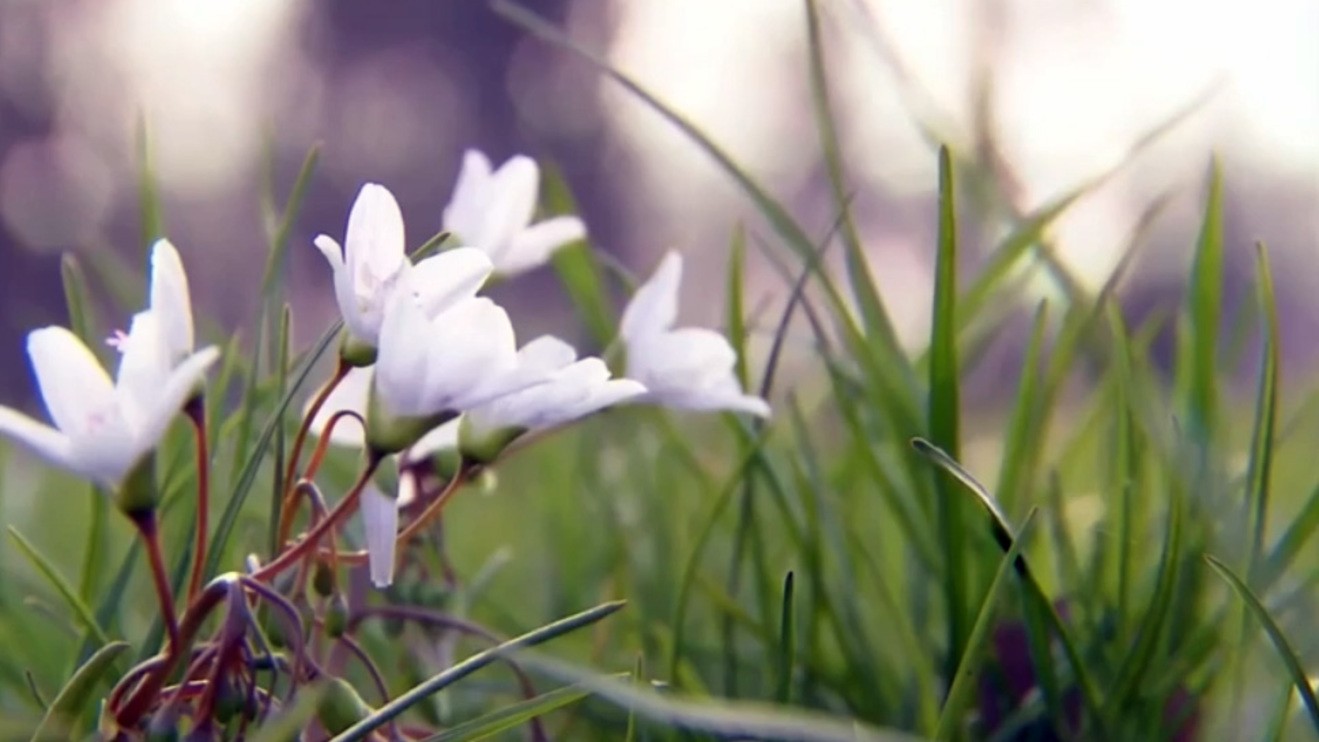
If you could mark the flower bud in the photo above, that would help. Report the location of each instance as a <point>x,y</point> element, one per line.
<point>356,353</point>
<point>336,616</point>
<point>323,579</point>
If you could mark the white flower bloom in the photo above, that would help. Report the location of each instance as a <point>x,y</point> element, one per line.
<point>103,428</point>
<point>380,521</point>
<point>372,263</point>
<point>687,368</point>
<point>492,211</point>
<point>462,357</point>
<point>573,389</point>
<point>171,301</point>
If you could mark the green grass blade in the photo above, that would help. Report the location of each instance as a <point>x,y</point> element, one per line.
<point>289,724</point>
<point>511,716</point>
<point>787,644</point>
<point>578,265</point>
<point>879,328</point>
<point>279,235</point>
<point>229,518</point>
<point>61,585</point>
<point>944,414</point>
<point>718,718</point>
<point>1280,643</point>
<point>148,188</point>
<point>76,299</point>
<point>77,695</point>
<point>435,684</point>
<point>1021,439</point>
<point>963,689</point>
<point>1292,541</point>
<point>735,324</point>
<point>1205,311</point>
<point>1259,470</point>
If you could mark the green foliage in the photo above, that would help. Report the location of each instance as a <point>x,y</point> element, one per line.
<point>828,575</point>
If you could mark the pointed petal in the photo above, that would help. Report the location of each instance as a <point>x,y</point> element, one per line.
<point>508,211</point>
<point>41,439</point>
<point>654,306</point>
<point>70,378</point>
<point>170,298</point>
<point>533,246</point>
<point>380,519</point>
<point>375,240</point>
<point>442,280</point>
<point>169,399</point>
<point>351,394</point>
<point>463,214</point>
<point>546,353</point>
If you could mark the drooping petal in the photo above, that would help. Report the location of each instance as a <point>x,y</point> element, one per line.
<point>71,380</point>
<point>463,214</point>
<point>41,439</point>
<point>509,208</point>
<point>380,521</point>
<point>472,355</point>
<point>350,394</point>
<point>170,298</point>
<point>533,246</point>
<point>654,306</point>
<point>442,280</point>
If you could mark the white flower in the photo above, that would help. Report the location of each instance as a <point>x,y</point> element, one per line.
<point>372,263</point>
<point>688,368</point>
<point>462,357</point>
<point>171,301</point>
<point>380,521</point>
<point>573,389</point>
<point>103,428</point>
<point>492,211</point>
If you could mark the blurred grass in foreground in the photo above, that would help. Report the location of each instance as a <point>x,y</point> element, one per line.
<point>832,579</point>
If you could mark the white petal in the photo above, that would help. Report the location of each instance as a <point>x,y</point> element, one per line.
<point>463,214</point>
<point>510,206</point>
<point>533,246</point>
<point>380,518</point>
<point>45,441</point>
<point>375,239</point>
<point>351,394</point>
<point>170,398</point>
<point>170,298</point>
<point>472,353</point>
<point>70,378</point>
<point>143,366</point>
<point>401,360</point>
<point>546,353</point>
<point>654,306</point>
<point>442,280</point>
<point>359,326</point>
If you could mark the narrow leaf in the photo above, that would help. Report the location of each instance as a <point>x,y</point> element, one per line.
<point>76,696</point>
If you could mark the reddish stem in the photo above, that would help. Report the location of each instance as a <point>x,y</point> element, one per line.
<point>146,526</point>
<point>318,531</point>
<point>340,371</point>
<point>196,411</point>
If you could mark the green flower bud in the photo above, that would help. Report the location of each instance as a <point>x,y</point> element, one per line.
<point>356,353</point>
<point>341,707</point>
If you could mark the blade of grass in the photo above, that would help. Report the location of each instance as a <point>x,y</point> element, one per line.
<point>76,697</point>
<point>943,418</point>
<point>148,188</point>
<point>578,265</point>
<point>511,716</point>
<point>1279,640</point>
<point>787,644</point>
<point>1259,470</point>
<point>1205,310</point>
<point>61,585</point>
<point>435,684</point>
<point>963,688</point>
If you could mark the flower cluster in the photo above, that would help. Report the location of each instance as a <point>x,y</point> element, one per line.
<point>429,366</point>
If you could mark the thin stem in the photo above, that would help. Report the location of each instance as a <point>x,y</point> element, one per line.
<point>195,409</point>
<point>340,371</point>
<point>432,510</point>
<point>314,535</point>
<point>146,526</point>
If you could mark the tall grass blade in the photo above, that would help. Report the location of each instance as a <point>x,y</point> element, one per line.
<point>435,684</point>
<point>1205,312</point>
<point>511,716</point>
<point>578,265</point>
<point>1280,643</point>
<point>77,695</point>
<point>61,585</point>
<point>148,188</point>
<point>1259,470</point>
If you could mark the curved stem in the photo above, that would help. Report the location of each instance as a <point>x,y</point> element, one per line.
<point>433,509</point>
<point>314,535</point>
<point>341,370</point>
<point>195,409</point>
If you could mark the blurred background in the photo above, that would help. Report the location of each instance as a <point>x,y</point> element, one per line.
<point>1038,96</point>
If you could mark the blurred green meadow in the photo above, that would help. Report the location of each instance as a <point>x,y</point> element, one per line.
<point>1123,550</point>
